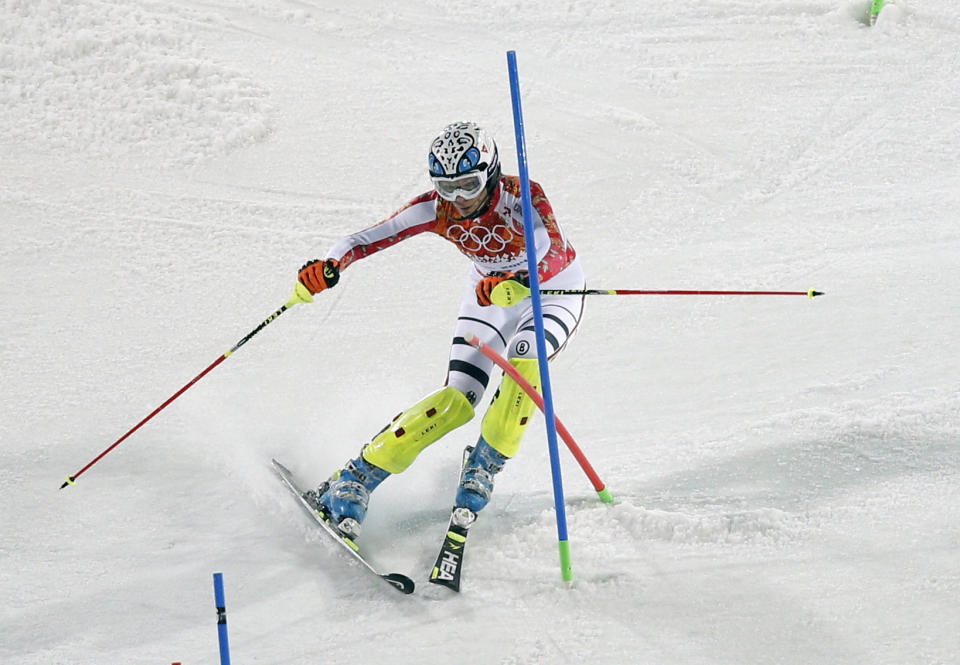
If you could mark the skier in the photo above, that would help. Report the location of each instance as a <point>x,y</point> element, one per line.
<point>477,209</point>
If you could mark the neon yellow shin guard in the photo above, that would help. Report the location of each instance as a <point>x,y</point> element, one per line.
<point>506,419</point>
<point>395,448</point>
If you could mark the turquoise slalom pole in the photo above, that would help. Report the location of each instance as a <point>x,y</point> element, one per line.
<point>566,569</point>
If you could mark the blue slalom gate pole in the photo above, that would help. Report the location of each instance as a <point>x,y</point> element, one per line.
<point>566,570</point>
<point>221,618</point>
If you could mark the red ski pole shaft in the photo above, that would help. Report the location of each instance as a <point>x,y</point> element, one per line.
<point>300,294</point>
<point>72,479</point>
<point>501,362</point>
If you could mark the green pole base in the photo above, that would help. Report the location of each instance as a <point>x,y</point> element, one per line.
<point>605,495</point>
<point>566,568</point>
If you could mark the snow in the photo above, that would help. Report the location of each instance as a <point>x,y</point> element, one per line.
<point>785,470</point>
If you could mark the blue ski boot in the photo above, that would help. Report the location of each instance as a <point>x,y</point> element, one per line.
<point>476,482</point>
<point>344,497</point>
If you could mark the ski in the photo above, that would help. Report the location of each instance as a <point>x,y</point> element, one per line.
<point>398,581</point>
<point>446,571</point>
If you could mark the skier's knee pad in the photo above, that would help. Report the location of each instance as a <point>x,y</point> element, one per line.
<point>506,419</point>
<point>399,443</point>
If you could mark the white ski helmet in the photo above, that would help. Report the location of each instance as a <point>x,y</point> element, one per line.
<point>463,161</point>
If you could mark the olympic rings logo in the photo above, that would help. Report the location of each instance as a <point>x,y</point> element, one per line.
<point>476,238</point>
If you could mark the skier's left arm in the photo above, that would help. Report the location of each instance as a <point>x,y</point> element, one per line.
<point>506,289</point>
<point>557,252</point>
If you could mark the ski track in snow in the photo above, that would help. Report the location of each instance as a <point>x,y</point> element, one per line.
<point>785,470</point>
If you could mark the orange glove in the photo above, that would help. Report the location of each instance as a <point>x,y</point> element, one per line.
<point>319,275</point>
<point>486,285</point>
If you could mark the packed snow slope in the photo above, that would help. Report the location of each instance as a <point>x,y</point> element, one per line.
<point>786,470</point>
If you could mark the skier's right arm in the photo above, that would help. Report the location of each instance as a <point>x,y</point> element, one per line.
<point>318,275</point>
<point>418,216</point>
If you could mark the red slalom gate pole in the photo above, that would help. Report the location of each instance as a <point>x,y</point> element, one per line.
<point>300,295</point>
<point>502,363</point>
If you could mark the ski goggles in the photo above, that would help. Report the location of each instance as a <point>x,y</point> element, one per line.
<point>466,186</point>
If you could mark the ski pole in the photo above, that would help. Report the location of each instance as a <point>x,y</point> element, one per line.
<point>300,295</point>
<point>564,433</point>
<point>640,292</point>
<point>510,292</point>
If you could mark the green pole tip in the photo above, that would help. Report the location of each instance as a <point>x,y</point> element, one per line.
<point>605,495</point>
<point>566,568</point>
